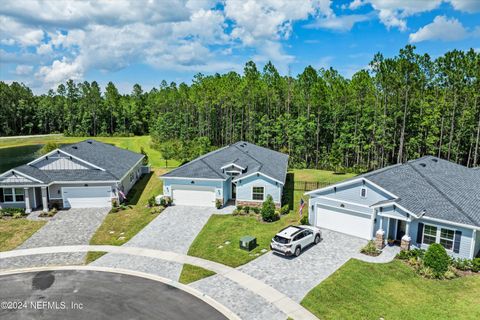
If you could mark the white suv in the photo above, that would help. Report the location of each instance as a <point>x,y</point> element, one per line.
<point>293,239</point>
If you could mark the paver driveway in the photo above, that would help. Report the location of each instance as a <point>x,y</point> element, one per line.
<point>173,230</point>
<point>294,277</point>
<point>67,227</point>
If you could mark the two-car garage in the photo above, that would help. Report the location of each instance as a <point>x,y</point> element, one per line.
<point>345,221</point>
<point>87,197</point>
<point>193,195</point>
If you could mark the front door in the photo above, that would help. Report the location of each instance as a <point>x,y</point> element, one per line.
<point>234,191</point>
<point>400,229</point>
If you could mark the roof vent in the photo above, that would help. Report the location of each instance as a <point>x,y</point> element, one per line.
<point>435,160</point>
<point>423,165</point>
<point>90,141</point>
<point>46,158</point>
<point>75,147</point>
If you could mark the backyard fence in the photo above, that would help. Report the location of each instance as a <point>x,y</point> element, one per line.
<point>310,185</point>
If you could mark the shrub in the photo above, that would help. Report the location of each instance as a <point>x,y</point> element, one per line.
<point>268,210</point>
<point>239,208</point>
<point>450,273</point>
<point>370,249</point>
<point>427,272</point>
<point>52,212</point>
<point>437,259</point>
<point>17,215</point>
<point>285,209</point>
<point>163,202</point>
<point>151,201</point>
<point>9,212</point>
<point>218,203</point>
<point>304,220</point>
<point>476,265</point>
<point>462,264</point>
<point>256,210</point>
<point>246,209</point>
<point>168,201</point>
<point>236,212</point>
<point>408,254</point>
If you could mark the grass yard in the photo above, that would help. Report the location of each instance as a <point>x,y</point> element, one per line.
<point>13,232</point>
<point>193,273</point>
<point>319,175</point>
<point>361,290</point>
<point>127,223</point>
<point>130,143</point>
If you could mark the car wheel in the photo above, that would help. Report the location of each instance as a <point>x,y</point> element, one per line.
<point>297,251</point>
<point>317,239</point>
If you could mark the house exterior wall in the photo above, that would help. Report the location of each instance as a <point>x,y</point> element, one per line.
<point>217,184</point>
<point>465,242</point>
<point>227,190</point>
<point>476,251</point>
<point>131,177</point>
<point>244,189</point>
<point>20,204</point>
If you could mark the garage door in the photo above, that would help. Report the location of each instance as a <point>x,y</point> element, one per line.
<point>194,196</point>
<point>87,197</point>
<point>352,223</point>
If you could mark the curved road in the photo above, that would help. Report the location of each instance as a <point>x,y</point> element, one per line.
<point>85,294</point>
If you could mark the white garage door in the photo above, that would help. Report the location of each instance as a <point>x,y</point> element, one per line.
<point>194,196</point>
<point>352,223</point>
<point>87,197</point>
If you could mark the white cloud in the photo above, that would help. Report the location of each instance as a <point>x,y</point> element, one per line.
<point>339,23</point>
<point>59,71</point>
<point>23,70</point>
<point>470,6</point>
<point>12,32</point>
<point>441,28</point>
<point>44,48</point>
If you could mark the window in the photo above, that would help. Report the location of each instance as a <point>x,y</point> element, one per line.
<point>13,195</point>
<point>363,192</point>
<point>429,234</point>
<point>446,238</point>
<point>132,176</point>
<point>8,195</point>
<point>257,193</point>
<point>19,195</point>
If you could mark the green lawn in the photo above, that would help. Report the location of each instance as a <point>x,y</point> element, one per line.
<point>319,175</point>
<point>127,223</point>
<point>361,290</point>
<point>193,273</point>
<point>13,232</point>
<point>130,143</point>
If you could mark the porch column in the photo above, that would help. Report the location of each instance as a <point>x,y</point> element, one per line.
<point>380,239</point>
<point>44,199</point>
<point>26,198</point>
<point>405,243</point>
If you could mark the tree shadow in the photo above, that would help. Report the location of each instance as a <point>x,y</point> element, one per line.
<point>137,190</point>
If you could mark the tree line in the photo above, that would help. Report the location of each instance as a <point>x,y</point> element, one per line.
<point>398,109</point>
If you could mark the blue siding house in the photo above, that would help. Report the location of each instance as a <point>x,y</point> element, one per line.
<point>242,172</point>
<point>424,201</point>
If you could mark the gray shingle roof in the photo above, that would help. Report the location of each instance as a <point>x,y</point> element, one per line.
<point>443,189</point>
<point>115,161</point>
<point>247,155</point>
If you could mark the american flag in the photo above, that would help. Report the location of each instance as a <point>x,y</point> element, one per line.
<point>302,204</point>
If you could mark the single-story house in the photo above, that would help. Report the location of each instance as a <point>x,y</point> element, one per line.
<point>80,175</point>
<point>423,201</point>
<point>243,172</point>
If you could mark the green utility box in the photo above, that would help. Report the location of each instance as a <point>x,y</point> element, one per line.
<point>248,243</point>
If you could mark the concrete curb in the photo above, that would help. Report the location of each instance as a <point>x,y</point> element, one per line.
<point>273,296</point>
<point>194,292</point>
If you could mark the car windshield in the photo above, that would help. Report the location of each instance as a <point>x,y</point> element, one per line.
<point>281,239</point>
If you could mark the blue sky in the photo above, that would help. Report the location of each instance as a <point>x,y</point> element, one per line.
<point>44,43</point>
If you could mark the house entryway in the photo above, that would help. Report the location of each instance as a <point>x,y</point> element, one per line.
<point>234,191</point>
<point>396,230</point>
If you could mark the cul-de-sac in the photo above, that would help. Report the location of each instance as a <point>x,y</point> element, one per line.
<point>255,160</point>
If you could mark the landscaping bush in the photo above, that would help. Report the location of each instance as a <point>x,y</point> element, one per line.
<point>10,212</point>
<point>218,203</point>
<point>151,201</point>
<point>236,212</point>
<point>256,210</point>
<point>437,259</point>
<point>450,273</point>
<point>17,215</point>
<point>370,249</point>
<point>246,209</point>
<point>268,210</point>
<point>304,220</point>
<point>409,254</point>
<point>239,208</point>
<point>476,265</point>
<point>462,264</point>
<point>285,209</point>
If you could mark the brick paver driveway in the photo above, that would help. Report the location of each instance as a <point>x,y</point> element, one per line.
<point>67,227</point>
<point>294,277</point>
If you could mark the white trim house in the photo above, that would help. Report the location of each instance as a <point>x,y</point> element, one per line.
<point>85,174</point>
<point>242,172</point>
<point>424,201</point>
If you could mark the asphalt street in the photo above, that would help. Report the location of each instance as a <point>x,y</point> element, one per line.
<point>76,295</point>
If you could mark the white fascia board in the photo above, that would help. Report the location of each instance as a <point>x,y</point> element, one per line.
<point>232,164</point>
<point>20,174</point>
<point>386,215</point>
<point>346,183</point>
<point>467,226</point>
<point>343,201</point>
<point>65,153</point>
<point>136,163</point>
<point>254,173</point>
<point>320,205</point>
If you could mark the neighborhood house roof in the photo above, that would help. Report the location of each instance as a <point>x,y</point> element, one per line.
<point>253,158</point>
<point>98,162</point>
<point>442,189</point>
